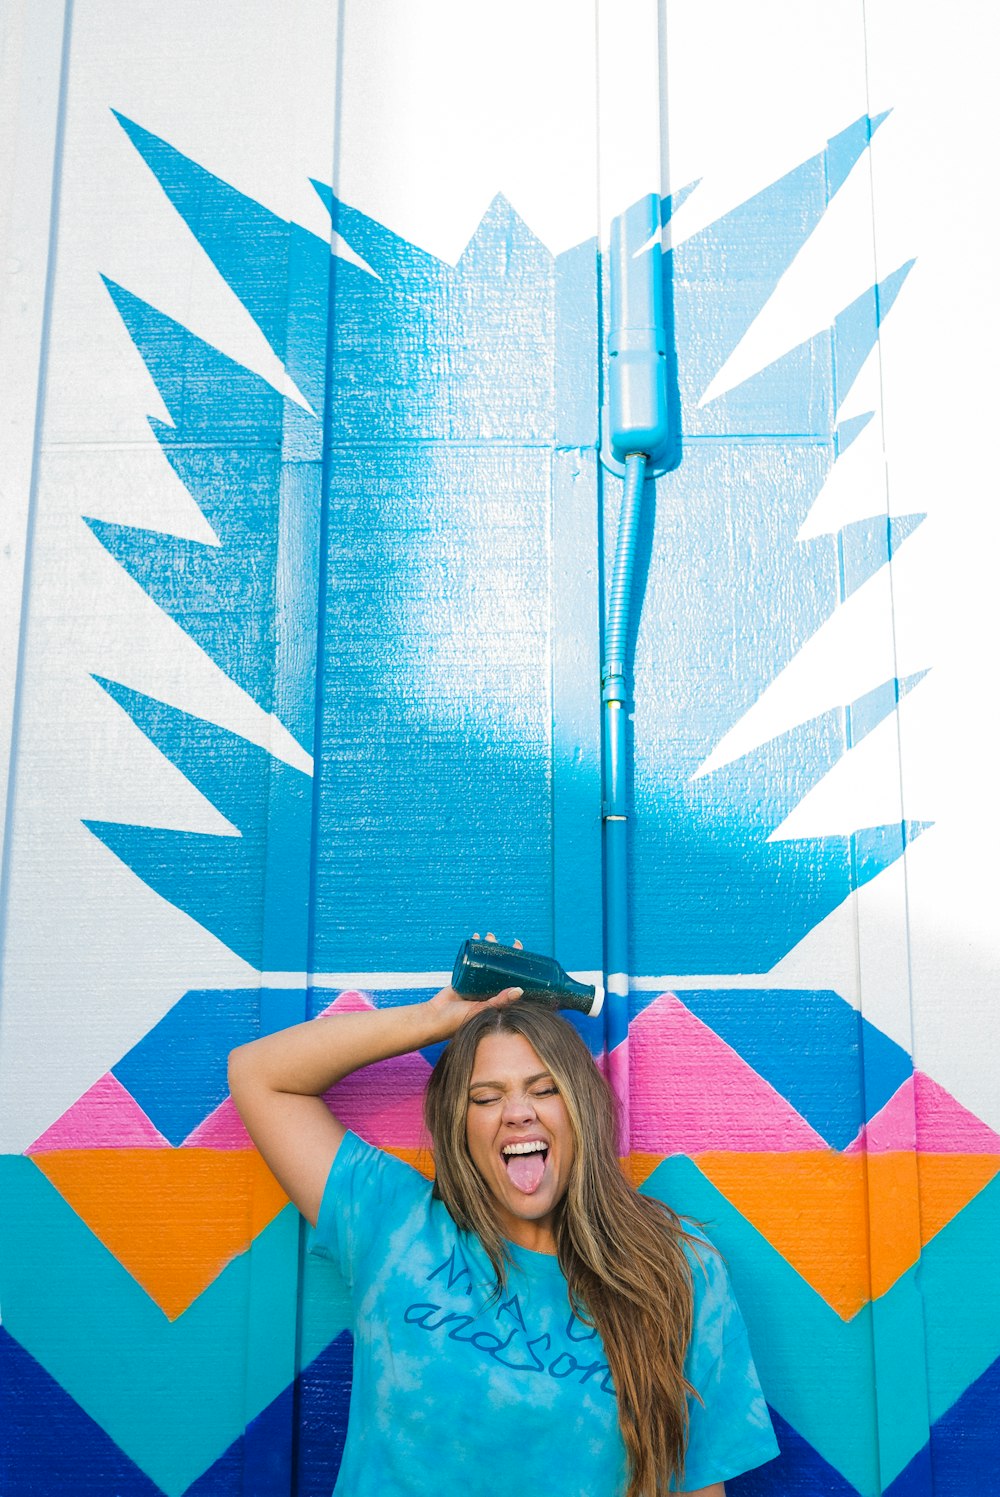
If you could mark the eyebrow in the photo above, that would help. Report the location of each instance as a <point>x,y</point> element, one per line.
<point>500,1085</point>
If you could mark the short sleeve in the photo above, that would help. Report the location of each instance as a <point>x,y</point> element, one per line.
<point>365,1191</point>
<point>730,1429</point>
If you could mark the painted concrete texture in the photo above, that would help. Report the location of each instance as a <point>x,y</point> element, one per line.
<point>309,528</point>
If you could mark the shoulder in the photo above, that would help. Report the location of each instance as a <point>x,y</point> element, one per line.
<point>717,1319</point>
<point>708,1267</point>
<point>367,1190</point>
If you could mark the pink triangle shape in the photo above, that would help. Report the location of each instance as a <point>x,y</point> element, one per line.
<point>222,1129</point>
<point>691,1092</point>
<point>891,1130</point>
<point>400,1126</point>
<point>107,1116</point>
<point>350,1001</point>
<point>944,1126</point>
<point>391,1090</point>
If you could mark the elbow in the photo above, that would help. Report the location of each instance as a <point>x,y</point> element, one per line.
<point>238,1069</point>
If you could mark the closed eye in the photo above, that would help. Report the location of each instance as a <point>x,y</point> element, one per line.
<point>483,1101</point>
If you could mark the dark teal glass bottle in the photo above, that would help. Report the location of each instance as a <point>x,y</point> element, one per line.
<point>483,968</point>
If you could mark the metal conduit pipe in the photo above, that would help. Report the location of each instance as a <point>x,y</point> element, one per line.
<point>635,442</point>
<point>615,787</point>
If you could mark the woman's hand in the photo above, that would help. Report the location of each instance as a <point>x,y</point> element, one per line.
<point>451,1010</point>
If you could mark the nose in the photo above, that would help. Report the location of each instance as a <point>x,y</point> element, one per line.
<point>518,1108</point>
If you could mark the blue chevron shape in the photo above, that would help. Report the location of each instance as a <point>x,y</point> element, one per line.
<point>799,1471</point>
<point>177,1072</point>
<point>792,1329</point>
<point>261,1457</point>
<point>961,1299</point>
<point>961,1455</point>
<point>811,1045</point>
<point>219,880</point>
<point>917,1480</point>
<point>173,1395</point>
<point>818,1370</point>
<point>318,1403</point>
<point>324,1389</point>
<point>49,1445</point>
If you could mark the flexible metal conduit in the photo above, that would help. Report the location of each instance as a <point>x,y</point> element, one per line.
<point>615,812</point>
<point>636,441</point>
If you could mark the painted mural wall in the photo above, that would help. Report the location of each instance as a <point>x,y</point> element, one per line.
<point>305,536</point>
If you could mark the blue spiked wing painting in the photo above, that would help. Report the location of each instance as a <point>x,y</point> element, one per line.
<point>387,578</point>
<point>437,389</point>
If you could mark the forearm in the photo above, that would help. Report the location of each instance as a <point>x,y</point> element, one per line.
<point>307,1059</point>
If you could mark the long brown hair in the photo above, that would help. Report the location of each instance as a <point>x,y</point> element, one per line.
<point>621,1253</point>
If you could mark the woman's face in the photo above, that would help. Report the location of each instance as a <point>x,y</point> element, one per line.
<point>520,1138</point>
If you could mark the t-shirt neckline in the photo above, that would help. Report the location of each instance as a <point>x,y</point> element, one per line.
<point>530,1258</point>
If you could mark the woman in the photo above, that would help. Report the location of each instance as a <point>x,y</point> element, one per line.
<point>530,1317</point>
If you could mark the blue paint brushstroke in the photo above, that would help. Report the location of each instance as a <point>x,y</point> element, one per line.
<point>725,273</point>
<point>225,446</point>
<point>848,431</point>
<point>864,715</point>
<point>866,546</point>
<point>670,204</point>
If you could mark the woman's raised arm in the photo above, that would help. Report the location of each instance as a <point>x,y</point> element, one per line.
<point>277,1082</point>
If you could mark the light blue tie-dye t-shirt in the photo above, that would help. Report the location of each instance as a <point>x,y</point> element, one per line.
<point>457,1389</point>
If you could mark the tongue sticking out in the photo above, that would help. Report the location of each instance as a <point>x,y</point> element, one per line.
<point>526,1171</point>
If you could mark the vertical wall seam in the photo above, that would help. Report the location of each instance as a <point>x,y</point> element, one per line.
<point>32,508</point>
<point>324,514</point>
<point>925,1478</point>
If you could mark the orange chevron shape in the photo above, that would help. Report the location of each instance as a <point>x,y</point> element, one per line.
<point>813,1207</point>
<point>422,1160</point>
<point>640,1166</point>
<point>947,1179</point>
<point>849,1224</point>
<point>172,1217</point>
